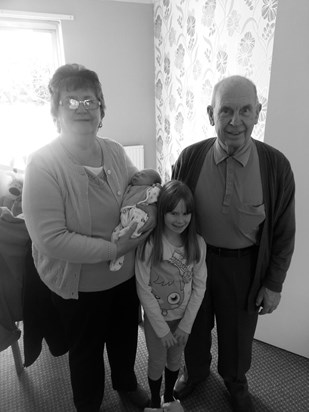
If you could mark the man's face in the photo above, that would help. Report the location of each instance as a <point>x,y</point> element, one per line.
<point>234,114</point>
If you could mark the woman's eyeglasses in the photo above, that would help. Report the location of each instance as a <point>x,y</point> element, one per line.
<point>73,104</point>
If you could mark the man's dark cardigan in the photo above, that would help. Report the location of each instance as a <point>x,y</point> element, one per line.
<point>277,235</point>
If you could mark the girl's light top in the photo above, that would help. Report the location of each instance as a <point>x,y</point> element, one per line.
<point>171,289</point>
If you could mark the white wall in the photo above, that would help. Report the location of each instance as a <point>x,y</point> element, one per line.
<point>115,39</point>
<point>287,128</point>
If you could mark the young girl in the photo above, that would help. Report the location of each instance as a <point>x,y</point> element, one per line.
<point>171,281</point>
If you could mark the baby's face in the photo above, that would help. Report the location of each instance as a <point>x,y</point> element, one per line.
<point>146,177</point>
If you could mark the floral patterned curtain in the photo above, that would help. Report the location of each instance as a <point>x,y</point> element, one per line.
<point>197,43</point>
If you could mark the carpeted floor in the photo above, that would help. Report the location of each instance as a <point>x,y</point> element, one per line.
<point>279,382</point>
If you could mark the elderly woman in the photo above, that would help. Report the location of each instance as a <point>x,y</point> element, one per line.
<point>71,201</point>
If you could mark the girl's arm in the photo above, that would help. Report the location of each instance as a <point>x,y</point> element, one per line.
<point>198,290</point>
<point>147,299</point>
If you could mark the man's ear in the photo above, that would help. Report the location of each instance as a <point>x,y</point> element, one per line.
<point>257,113</point>
<point>210,112</point>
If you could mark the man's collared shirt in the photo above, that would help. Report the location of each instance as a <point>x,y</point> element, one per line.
<point>230,205</point>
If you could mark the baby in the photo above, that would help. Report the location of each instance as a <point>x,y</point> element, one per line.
<point>144,188</point>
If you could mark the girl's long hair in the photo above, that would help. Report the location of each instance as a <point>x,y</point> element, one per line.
<point>170,195</point>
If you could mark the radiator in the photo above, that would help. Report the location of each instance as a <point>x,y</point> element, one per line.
<point>136,154</point>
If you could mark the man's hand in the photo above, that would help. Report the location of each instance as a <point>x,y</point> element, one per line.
<point>268,300</point>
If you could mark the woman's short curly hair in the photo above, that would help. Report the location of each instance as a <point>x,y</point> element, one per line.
<point>72,77</point>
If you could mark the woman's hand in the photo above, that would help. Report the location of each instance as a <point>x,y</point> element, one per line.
<point>181,336</point>
<point>125,243</point>
<point>168,340</point>
<point>151,222</point>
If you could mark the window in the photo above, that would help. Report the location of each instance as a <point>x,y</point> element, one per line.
<point>31,50</point>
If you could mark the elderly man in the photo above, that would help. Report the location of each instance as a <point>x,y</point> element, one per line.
<point>244,192</point>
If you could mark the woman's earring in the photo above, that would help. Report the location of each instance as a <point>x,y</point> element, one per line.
<point>100,125</point>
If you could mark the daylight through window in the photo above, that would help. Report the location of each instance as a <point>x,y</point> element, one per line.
<point>30,53</point>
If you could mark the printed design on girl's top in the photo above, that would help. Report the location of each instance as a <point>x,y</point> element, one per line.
<point>170,293</point>
<point>185,271</point>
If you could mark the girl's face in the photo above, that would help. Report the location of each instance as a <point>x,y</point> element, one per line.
<point>177,220</point>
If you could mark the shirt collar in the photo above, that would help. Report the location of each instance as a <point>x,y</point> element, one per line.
<point>242,155</point>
